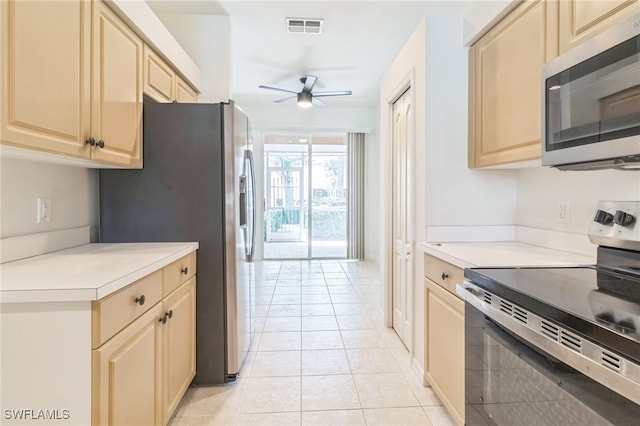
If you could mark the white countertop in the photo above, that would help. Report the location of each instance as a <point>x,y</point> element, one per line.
<point>502,254</point>
<point>85,273</point>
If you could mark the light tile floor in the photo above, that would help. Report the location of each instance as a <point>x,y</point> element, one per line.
<point>321,356</point>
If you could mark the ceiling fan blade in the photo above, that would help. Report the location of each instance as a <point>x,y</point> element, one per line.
<point>309,82</point>
<point>318,102</point>
<point>279,101</point>
<point>340,93</point>
<point>276,88</point>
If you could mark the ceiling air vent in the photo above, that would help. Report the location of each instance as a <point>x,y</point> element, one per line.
<point>304,26</point>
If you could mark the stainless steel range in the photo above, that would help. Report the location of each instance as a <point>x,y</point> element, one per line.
<point>555,346</point>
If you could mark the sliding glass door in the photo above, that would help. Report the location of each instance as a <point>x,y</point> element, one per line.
<point>305,196</point>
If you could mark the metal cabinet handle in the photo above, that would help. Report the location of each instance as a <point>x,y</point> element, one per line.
<point>184,270</point>
<point>100,143</point>
<point>163,319</point>
<point>170,313</point>
<point>140,299</point>
<point>90,142</point>
<point>444,276</point>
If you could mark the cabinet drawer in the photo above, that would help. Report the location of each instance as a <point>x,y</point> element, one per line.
<point>179,272</point>
<point>442,273</point>
<point>116,311</point>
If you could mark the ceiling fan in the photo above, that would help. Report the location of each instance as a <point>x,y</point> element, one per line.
<point>306,98</point>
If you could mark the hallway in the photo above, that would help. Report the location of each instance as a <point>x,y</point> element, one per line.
<point>321,356</point>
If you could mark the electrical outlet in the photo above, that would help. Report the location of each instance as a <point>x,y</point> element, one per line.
<point>44,210</point>
<point>563,211</point>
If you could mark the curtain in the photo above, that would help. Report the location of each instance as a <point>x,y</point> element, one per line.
<point>355,196</point>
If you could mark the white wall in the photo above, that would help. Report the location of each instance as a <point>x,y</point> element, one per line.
<point>73,192</point>
<point>372,195</point>
<point>207,40</point>
<point>540,189</point>
<point>455,194</point>
<point>446,192</point>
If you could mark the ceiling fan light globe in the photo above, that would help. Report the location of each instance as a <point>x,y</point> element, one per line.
<point>304,100</point>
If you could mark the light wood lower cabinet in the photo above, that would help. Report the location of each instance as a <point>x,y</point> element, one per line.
<point>179,344</point>
<point>143,369</point>
<point>444,340</point>
<point>127,374</point>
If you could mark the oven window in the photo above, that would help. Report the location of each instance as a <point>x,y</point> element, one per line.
<point>596,100</point>
<point>509,383</point>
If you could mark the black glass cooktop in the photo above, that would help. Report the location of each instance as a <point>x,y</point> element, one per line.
<point>599,304</point>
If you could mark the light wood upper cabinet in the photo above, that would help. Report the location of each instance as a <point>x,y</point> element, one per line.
<point>117,90</point>
<point>162,83</point>
<point>505,78</point>
<point>444,340</point>
<point>582,19</point>
<point>73,81</point>
<point>45,89</point>
<point>158,77</point>
<point>179,341</point>
<point>184,92</point>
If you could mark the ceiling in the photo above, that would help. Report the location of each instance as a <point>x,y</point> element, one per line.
<point>359,41</point>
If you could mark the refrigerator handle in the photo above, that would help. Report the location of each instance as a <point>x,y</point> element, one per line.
<point>250,206</point>
<point>243,201</point>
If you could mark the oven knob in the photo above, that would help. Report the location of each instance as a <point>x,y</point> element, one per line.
<point>603,217</point>
<point>624,218</point>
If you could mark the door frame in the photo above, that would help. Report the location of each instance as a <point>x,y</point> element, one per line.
<point>386,263</point>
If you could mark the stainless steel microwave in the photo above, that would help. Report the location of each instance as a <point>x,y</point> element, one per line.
<point>591,103</point>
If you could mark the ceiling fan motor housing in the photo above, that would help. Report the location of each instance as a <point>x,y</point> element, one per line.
<point>305,99</point>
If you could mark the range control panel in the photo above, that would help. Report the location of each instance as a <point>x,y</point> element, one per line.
<point>616,224</point>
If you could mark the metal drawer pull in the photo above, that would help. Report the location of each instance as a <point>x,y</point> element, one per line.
<point>140,300</point>
<point>100,143</point>
<point>90,142</point>
<point>184,270</point>
<point>170,313</point>
<point>444,276</point>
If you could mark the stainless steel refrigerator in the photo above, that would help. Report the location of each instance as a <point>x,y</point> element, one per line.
<point>197,184</point>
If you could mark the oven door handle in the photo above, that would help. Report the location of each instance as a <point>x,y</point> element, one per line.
<point>529,326</point>
<point>472,294</point>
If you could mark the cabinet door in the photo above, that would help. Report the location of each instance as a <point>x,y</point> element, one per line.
<point>445,347</point>
<point>45,99</point>
<point>159,78</point>
<point>184,92</point>
<point>179,341</point>
<point>581,19</point>
<point>117,90</point>
<point>127,374</point>
<point>505,80</point>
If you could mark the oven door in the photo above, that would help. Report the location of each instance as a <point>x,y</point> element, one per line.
<point>509,382</point>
